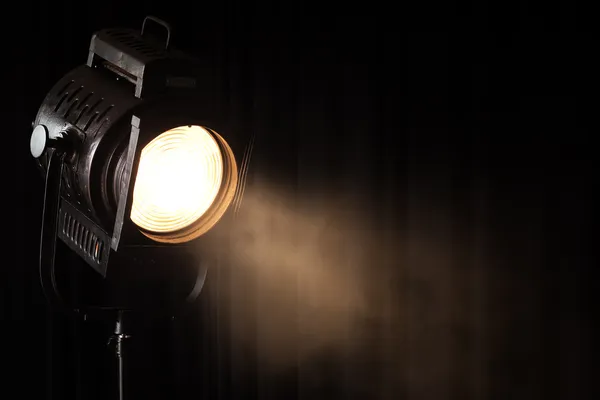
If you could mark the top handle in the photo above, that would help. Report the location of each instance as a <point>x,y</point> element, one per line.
<point>161,23</point>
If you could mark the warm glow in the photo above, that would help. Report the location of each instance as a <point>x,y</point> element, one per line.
<point>179,177</point>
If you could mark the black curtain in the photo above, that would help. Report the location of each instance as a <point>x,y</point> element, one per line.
<point>417,223</point>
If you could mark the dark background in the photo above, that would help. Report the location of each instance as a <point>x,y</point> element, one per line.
<point>456,132</point>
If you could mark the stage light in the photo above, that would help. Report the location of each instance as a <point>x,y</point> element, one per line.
<point>136,153</point>
<point>140,165</point>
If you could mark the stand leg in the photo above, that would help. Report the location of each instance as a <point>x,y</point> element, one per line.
<point>118,338</point>
<point>120,357</point>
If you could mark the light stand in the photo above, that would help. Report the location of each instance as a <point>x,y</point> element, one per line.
<point>117,340</point>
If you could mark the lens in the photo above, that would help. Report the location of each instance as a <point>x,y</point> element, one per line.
<point>180,174</point>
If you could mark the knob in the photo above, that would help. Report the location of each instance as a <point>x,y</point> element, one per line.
<point>41,141</point>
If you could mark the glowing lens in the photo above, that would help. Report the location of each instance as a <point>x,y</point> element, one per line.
<point>179,176</point>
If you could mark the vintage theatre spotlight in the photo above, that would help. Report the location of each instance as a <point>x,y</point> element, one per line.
<point>141,167</point>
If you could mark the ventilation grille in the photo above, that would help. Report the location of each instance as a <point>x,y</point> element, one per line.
<point>80,106</point>
<point>84,237</point>
<point>132,40</point>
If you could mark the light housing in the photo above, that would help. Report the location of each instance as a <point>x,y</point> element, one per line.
<point>106,123</point>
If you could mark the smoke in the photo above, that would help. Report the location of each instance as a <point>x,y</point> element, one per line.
<point>298,286</point>
<point>320,281</point>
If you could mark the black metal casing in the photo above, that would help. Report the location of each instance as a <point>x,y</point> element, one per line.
<point>132,88</point>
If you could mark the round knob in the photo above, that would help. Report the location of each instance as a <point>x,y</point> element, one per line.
<point>39,141</point>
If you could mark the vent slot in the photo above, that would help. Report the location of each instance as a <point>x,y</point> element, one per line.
<point>84,101</point>
<point>80,114</point>
<point>60,101</point>
<point>75,93</point>
<point>84,237</point>
<point>95,105</point>
<point>63,89</point>
<point>79,106</point>
<point>105,112</point>
<point>70,108</point>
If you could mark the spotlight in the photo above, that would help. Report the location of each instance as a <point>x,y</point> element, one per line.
<point>137,155</point>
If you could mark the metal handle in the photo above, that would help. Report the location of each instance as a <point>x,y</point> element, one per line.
<point>49,236</point>
<point>160,22</point>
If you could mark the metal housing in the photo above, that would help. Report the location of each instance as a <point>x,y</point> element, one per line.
<point>132,88</point>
